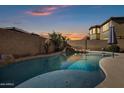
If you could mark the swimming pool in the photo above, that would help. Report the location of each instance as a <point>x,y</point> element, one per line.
<point>87,67</point>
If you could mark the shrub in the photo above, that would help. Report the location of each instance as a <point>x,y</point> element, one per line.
<point>59,41</point>
<point>114,48</point>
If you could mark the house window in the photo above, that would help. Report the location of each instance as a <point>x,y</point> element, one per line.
<point>91,32</point>
<point>94,30</point>
<point>105,27</point>
<point>98,30</point>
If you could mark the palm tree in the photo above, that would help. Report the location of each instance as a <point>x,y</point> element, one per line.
<point>58,40</point>
<point>64,41</point>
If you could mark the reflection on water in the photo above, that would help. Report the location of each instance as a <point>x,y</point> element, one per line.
<point>85,65</point>
<point>19,72</point>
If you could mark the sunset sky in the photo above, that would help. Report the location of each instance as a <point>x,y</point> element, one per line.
<point>72,21</point>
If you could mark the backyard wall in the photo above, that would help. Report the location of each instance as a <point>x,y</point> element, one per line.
<point>94,44</point>
<point>20,43</point>
<point>121,43</point>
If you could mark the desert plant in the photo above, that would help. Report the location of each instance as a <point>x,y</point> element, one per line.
<point>58,40</point>
<point>113,48</point>
<point>64,41</point>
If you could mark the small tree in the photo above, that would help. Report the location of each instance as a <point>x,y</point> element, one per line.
<point>58,40</point>
<point>64,41</point>
<point>113,48</point>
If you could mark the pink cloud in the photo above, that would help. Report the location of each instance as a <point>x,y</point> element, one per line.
<point>50,8</point>
<point>39,13</point>
<point>45,10</point>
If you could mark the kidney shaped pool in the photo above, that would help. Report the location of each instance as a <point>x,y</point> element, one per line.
<point>77,70</point>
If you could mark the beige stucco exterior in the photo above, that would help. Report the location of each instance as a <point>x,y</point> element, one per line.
<point>117,22</point>
<point>119,29</point>
<point>95,33</point>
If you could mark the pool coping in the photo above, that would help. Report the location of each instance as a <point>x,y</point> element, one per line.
<point>100,64</point>
<point>32,57</point>
<point>38,56</point>
<point>52,54</point>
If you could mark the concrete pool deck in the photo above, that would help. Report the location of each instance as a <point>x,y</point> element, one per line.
<point>114,71</point>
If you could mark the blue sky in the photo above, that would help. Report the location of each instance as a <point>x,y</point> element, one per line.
<point>65,19</point>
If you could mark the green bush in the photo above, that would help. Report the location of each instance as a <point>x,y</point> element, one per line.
<point>59,41</point>
<point>114,48</point>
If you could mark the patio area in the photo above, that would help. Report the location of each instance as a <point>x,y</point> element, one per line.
<point>114,70</point>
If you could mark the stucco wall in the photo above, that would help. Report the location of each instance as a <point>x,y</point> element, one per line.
<point>51,48</point>
<point>91,44</point>
<point>19,43</point>
<point>121,43</point>
<point>94,44</point>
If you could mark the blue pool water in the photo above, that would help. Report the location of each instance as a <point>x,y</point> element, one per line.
<point>15,74</point>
